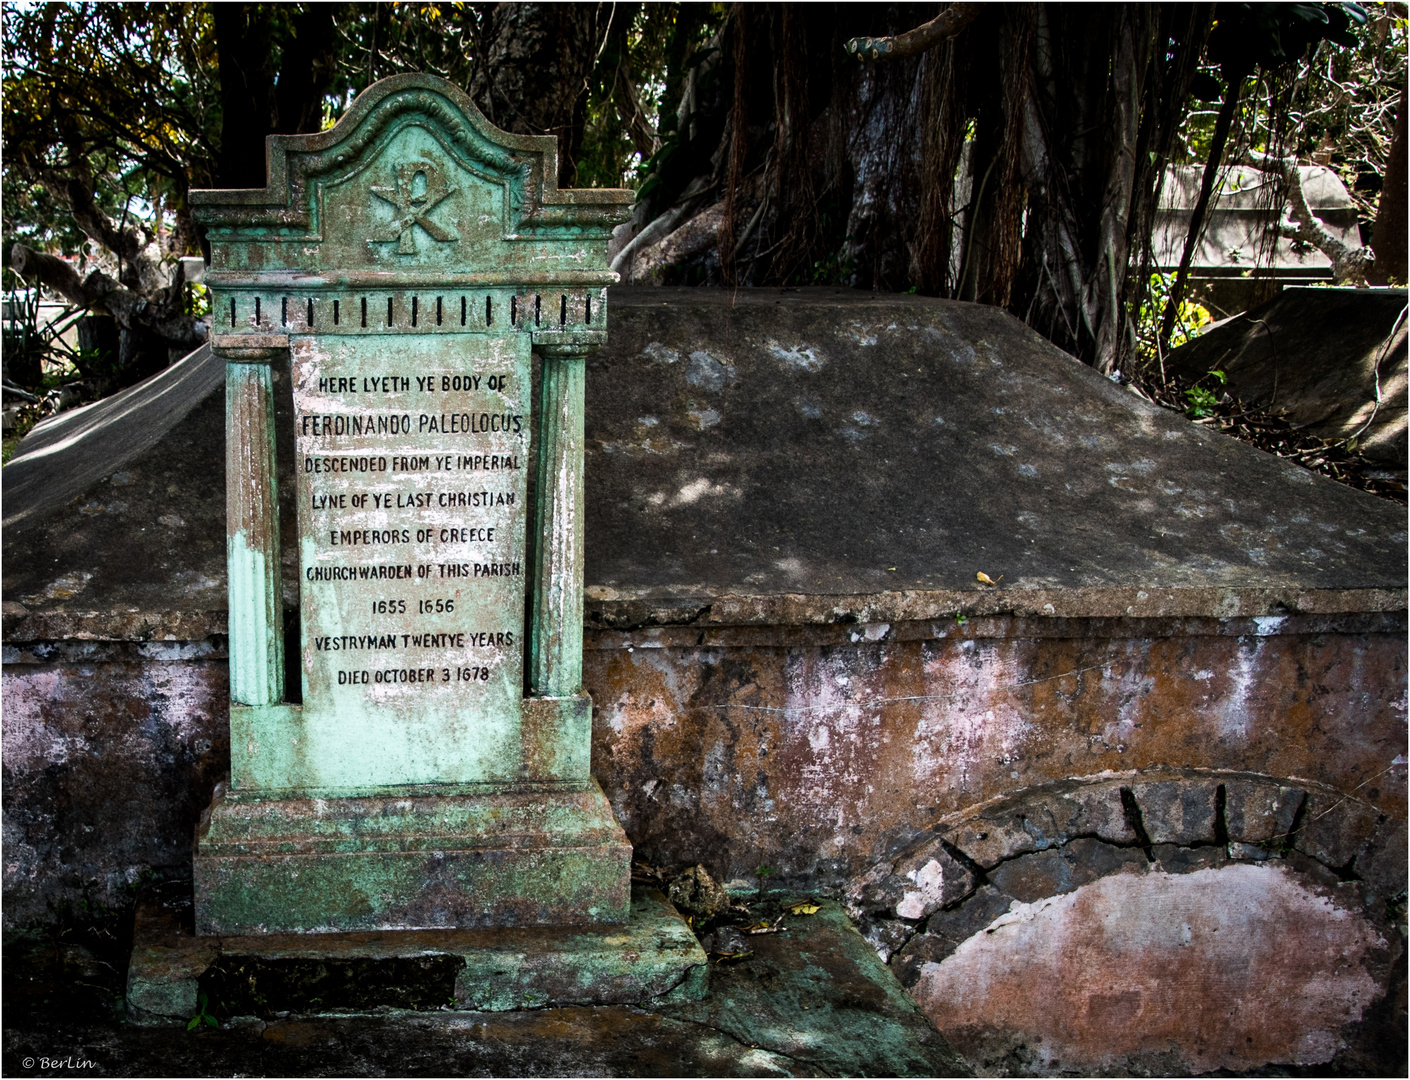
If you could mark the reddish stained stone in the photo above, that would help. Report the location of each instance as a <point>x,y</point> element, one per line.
<point>1228,968</point>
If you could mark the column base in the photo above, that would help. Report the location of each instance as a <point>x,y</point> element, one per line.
<point>411,861</point>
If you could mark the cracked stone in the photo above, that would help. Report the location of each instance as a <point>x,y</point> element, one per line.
<point>1335,828</point>
<point>947,929</point>
<point>913,887</point>
<point>1248,852</point>
<point>1382,865</point>
<point>1061,870</point>
<point>1045,821</point>
<point>1177,811</point>
<point>886,936</point>
<point>1256,812</point>
<point>989,841</point>
<point>695,892</point>
<point>1310,867</point>
<point>1174,859</point>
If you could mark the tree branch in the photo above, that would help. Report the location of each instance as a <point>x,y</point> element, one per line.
<point>1349,264</point>
<point>914,42</point>
<point>130,310</point>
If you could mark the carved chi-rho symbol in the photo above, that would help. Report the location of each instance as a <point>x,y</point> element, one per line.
<point>419,190</point>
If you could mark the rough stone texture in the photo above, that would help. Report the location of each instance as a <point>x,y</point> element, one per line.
<point>912,887</point>
<point>1257,812</point>
<point>107,765</point>
<point>429,860</point>
<point>821,760</point>
<point>947,930</point>
<point>1382,863</point>
<point>823,970</point>
<point>1061,870</point>
<point>806,433</point>
<point>812,1002</point>
<point>767,442</point>
<point>1177,812</point>
<point>1314,355</point>
<point>1092,982</point>
<point>653,958</point>
<point>1186,860</point>
<point>696,893</point>
<point>1335,829</point>
<point>885,935</point>
<point>1027,823</point>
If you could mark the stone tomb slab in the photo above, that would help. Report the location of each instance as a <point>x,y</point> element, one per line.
<point>653,958</point>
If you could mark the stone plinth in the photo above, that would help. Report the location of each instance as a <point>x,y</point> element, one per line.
<point>653,958</point>
<point>545,857</point>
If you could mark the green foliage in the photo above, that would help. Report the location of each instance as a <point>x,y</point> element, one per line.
<point>118,97</point>
<point>630,131</point>
<point>1328,92</point>
<point>1203,400</point>
<point>1191,318</point>
<point>202,1016</point>
<point>198,300</point>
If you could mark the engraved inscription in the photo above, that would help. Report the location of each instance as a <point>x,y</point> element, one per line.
<point>412,491</point>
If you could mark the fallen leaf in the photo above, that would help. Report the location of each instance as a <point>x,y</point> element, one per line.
<point>803,907</point>
<point>764,927</point>
<point>723,957</point>
<point>986,579</point>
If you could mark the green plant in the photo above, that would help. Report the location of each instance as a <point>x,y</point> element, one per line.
<point>1190,320</point>
<point>1202,401</point>
<point>202,1016</point>
<point>34,352</point>
<point>762,873</point>
<point>198,300</point>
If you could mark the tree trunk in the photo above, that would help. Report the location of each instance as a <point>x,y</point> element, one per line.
<point>538,60</point>
<point>148,326</point>
<point>1388,236</point>
<point>253,104</point>
<point>247,111</point>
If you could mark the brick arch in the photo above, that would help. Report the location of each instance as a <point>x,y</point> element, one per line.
<point>992,887</point>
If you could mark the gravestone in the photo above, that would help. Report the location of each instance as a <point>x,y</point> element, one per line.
<point>436,772</point>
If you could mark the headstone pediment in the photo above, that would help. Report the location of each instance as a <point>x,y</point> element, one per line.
<point>412,177</point>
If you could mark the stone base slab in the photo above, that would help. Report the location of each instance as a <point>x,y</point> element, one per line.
<point>551,856</point>
<point>654,958</point>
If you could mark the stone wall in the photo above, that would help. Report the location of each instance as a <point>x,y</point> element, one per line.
<point>1007,805</point>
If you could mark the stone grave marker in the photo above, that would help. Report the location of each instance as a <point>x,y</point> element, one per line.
<point>436,772</point>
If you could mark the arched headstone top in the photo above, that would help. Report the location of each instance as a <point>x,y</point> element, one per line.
<point>412,181</point>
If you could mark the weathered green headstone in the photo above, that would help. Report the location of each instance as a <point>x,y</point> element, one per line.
<point>436,773</point>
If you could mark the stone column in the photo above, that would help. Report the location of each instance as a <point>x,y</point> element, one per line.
<point>556,628</point>
<point>256,619</point>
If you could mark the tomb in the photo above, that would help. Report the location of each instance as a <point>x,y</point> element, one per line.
<point>795,669</point>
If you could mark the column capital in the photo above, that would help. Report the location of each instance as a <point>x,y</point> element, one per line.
<point>249,348</point>
<point>567,344</point>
